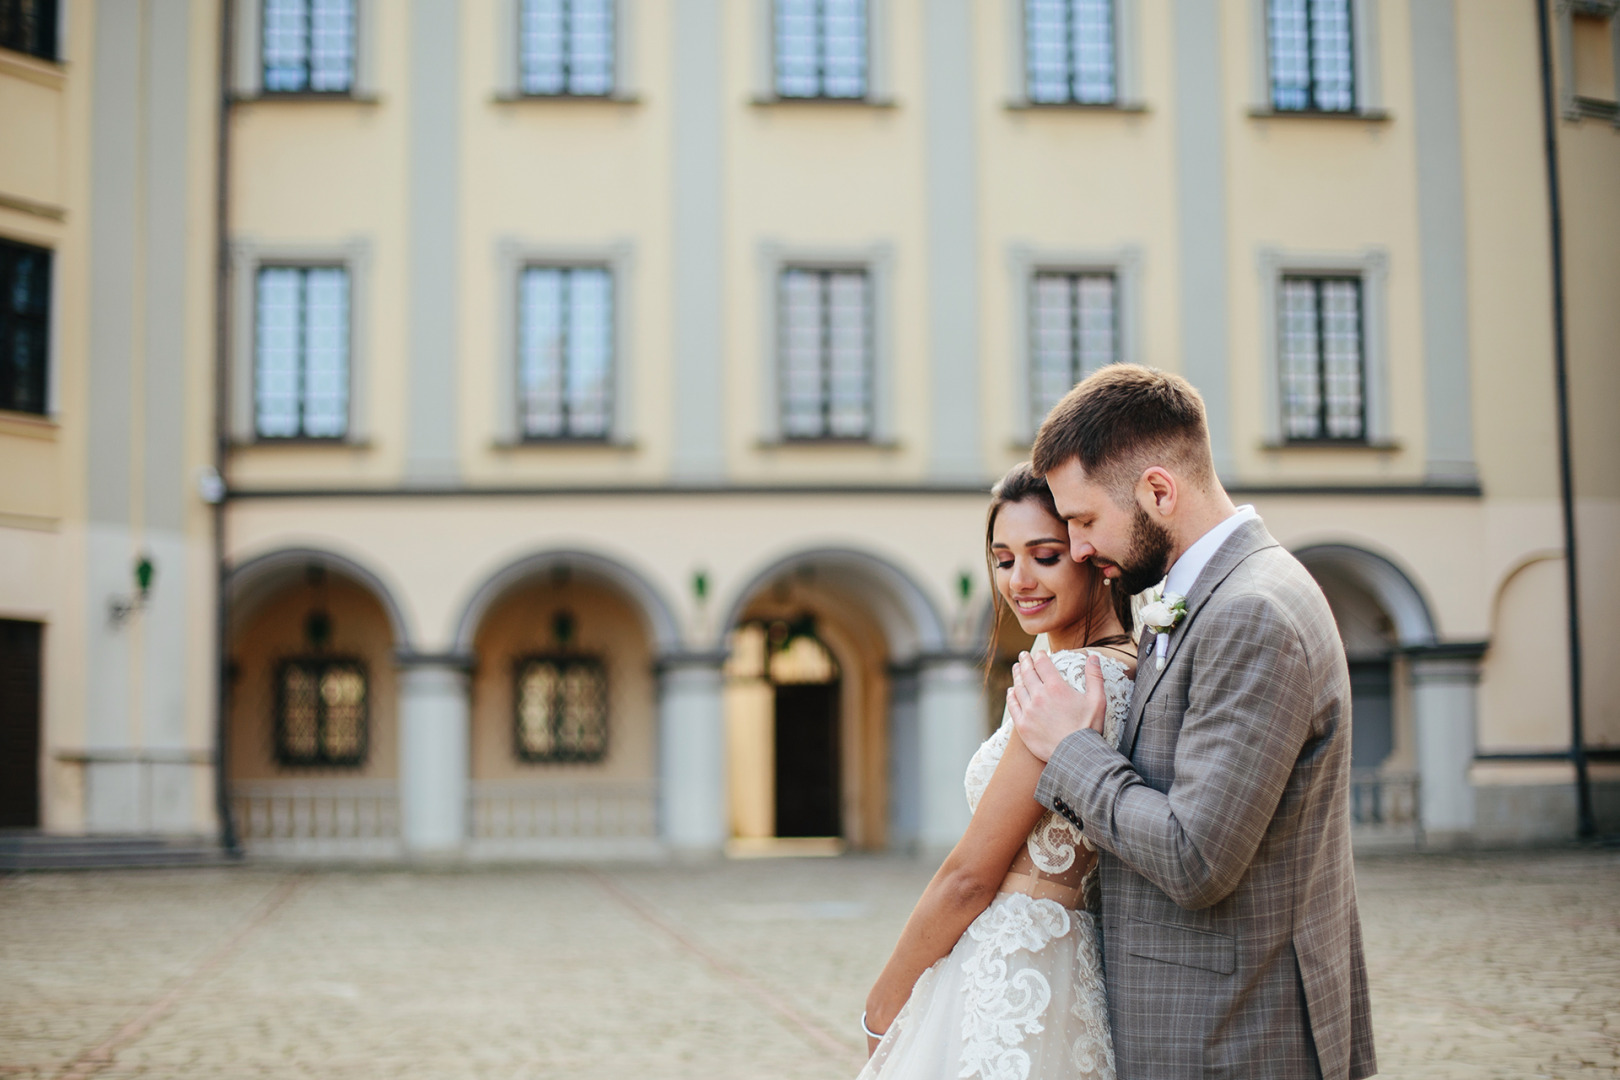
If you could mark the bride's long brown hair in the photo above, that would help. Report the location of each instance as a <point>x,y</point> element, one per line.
<point>1022,485</point>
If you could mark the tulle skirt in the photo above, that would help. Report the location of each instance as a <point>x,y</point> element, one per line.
<point>1020,997</point>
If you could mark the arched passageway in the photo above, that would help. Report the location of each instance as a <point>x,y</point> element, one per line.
<point>847,716</point>
<point>311,722</point>
<point>1412,697</point>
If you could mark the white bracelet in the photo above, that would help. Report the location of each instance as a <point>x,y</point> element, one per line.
<point>869,1032</point>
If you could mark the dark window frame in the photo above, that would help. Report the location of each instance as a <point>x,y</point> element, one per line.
<point>301,435</point>
<point>1312,87</point>
<point>568,12</point>
<point>821,93</point>
<point>567,432</point>
<point>824,274</point>
<point>13,396</point>
<point>322,758</point>
<point>560,754</point>
<point>34,36</point>
<point>1073,66</point>
<point>1077,370</point>
<point>307,90</point>
<point>1322,437</point>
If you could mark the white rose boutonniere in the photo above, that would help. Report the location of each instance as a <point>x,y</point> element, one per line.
<point>1163,613</point>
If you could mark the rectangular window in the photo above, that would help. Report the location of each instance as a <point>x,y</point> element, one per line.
<point>308,46</point>
<point>29,26</point>
<point>562,712</point>
<point>321,712</point>
<point>301,353</point>
<point>565,352</point>
<point>1069,52</point>
<point>825,328</point>
<point>566,47</point>
<point>1074,331</point>
<point>821,48</point>
<point>25,317</point>
<point>1312,53</point>
<point>1323,365</point>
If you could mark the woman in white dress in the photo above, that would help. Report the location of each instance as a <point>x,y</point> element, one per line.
<point>998,972</point>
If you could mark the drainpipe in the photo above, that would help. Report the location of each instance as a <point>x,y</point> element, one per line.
<point>1587,825</point>
<point>222,688</point>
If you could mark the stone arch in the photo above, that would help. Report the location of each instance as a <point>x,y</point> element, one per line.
<point>1386,582</point>
<point>909,618</point>
<point>659,616</point>
<point>254,580</point>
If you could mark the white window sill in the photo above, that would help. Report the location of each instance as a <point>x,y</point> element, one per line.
<point>566,99</point>
<point>1383,446</point>
<point>835,102</point>
<point>1025,105</point>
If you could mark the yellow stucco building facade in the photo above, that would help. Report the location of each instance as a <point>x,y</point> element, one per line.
<point>562,428</point>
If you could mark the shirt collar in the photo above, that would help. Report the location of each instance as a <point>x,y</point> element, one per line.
<point>1184,574</point>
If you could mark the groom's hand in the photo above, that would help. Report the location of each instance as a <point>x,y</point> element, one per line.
<point>1046,709</point>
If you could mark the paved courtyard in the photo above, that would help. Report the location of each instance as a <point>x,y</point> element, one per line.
<point>1504,965</point>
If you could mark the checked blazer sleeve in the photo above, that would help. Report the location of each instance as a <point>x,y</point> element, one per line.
<point>1240,737</point>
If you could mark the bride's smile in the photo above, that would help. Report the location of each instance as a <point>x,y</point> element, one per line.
<point>1047,591</point>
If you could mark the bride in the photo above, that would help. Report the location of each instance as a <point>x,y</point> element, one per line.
<point>998,972</point>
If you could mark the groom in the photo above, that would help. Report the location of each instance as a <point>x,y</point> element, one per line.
<point>1230,932</point>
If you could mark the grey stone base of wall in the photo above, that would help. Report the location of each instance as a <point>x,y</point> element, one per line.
<point>1528,813</point>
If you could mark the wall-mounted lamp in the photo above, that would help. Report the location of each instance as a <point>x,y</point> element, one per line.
<point>120,608</point>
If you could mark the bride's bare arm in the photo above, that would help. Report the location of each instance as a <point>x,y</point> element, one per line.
<point>965,883</point>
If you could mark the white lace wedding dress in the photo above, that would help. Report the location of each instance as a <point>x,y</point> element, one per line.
<point>1021,996</point>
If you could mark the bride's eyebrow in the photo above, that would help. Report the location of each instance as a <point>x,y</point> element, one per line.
<point>1045,540</point>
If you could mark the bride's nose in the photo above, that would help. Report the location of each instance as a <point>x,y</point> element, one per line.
<point>1022,580</point>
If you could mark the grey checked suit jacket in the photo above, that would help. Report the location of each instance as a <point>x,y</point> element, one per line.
<point>1230,932</point>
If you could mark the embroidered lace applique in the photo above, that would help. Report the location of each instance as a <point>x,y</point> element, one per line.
<point>1005,1006</point>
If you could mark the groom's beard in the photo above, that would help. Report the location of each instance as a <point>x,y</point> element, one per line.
<point>1149,557</point>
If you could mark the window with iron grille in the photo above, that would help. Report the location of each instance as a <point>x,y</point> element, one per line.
<point>322,714</point>
<point>821,48</point>
<point>565,47</point>
<point>308,46</point>
<point>565,352</point>
<point>29,26</point>
<point>1312,47</point>
<point>301,353</point>
<point>825,329</point>
<point>1074,330</point>
<point>1323,365</point>
<point>562,709</point>
<point>25,317</point>
<point>1069,51</point>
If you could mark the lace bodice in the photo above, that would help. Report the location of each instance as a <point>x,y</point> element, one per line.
<point>1053,844</point>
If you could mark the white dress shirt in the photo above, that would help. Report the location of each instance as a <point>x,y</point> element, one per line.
<point>1184,574</point>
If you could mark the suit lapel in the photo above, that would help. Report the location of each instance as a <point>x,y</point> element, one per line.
<point>1248,538</point>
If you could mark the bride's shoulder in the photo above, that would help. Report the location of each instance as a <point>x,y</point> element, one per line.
<point>1115,661</point>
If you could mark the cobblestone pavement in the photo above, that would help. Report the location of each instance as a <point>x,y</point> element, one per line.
<point>1482,966</point>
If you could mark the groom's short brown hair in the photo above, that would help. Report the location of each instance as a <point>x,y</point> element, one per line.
<point>1123,419</point>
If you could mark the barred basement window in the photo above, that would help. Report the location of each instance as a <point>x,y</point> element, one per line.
<point>1074,331</point>
<point>321,712</point>
<point>308,46</point>
<point>561,710</point>
<point>301,353</point>
<point>565,352</point>
<point>1312,46</point>
<point>566,47</point>
<point>25,316</point>
<point>29,26</point>
<point>1324,381</point>
<point>821,48</point>
<point>1069,51</point>
<point>825,328</point>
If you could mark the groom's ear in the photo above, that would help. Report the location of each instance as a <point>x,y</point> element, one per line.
<point>1156,491</point>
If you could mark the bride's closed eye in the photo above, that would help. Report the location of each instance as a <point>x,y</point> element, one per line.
<point>1048,560</point>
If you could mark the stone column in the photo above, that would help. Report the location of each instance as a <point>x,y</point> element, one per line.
<point>434,732</point>
<point>950,727</point>
<point>1445,681</point>
<point>692,753</point>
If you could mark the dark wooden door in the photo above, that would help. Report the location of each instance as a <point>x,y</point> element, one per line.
<point>19,723</point>
<point>1372,713</point>
<point>807,760</point>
